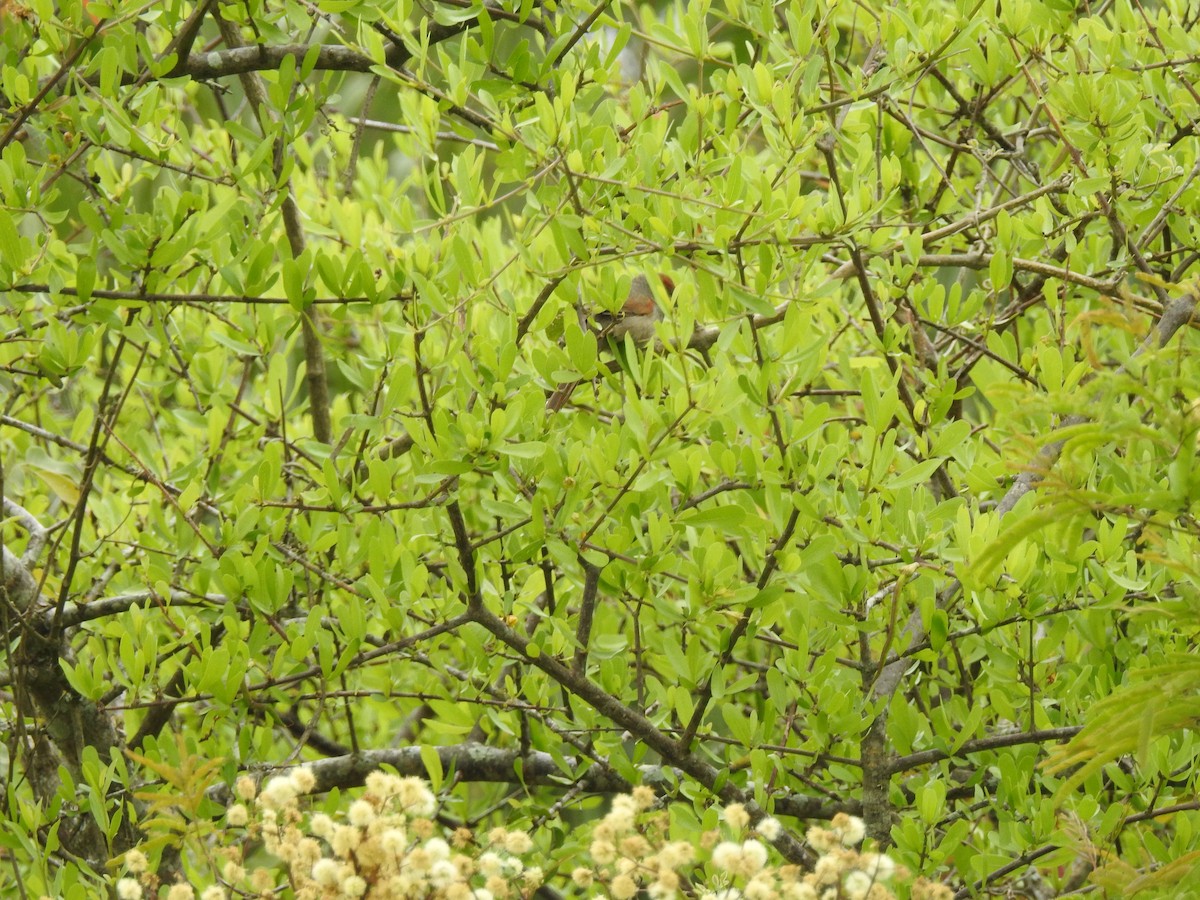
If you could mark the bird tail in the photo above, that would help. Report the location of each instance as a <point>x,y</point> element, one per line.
<point>560,396</point>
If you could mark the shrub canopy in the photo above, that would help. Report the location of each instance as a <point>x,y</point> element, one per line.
<point>902,498</point>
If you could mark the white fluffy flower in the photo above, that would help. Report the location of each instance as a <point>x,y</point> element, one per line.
<point>769,828</point>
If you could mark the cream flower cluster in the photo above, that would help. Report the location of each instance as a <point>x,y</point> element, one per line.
<point>386,844</point>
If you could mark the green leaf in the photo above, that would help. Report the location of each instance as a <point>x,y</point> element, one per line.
<point>432,762</point>
<point>724,518</point>
<point>296,279</point>
<point>11,252</point>
<point>917,474</point>
<point>983,568</point>
<point>939,629</point>
<point>581,348</point>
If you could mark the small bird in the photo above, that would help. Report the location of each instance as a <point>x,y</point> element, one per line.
<point>635,318</point>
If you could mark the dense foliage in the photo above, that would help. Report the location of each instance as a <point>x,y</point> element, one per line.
<point>903,498</point>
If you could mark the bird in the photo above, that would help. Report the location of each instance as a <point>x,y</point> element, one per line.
<point>635,318</point>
